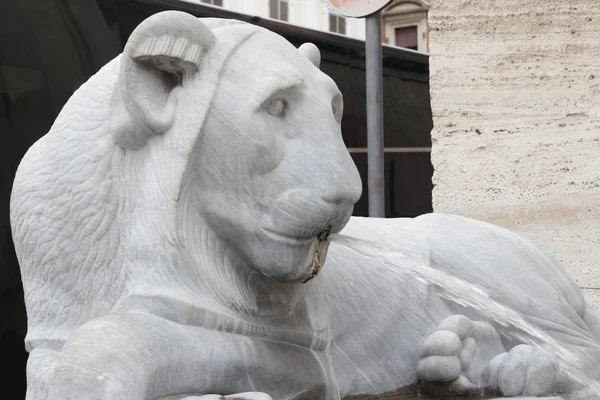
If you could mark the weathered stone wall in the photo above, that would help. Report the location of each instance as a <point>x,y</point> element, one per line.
<point>515,88</point>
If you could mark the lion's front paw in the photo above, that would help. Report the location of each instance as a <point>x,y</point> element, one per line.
<point>453,357</point>
<point>525,370</point>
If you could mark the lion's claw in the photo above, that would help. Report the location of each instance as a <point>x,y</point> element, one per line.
<point>439,361</point>
<point>452,358</point>
<point>525,370</point>
<point>464,356</point>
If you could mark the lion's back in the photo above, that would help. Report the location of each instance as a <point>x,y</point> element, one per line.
<point>491,256</point>
<point>510,269</point>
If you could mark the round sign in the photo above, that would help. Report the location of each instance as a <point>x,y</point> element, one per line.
<point>358,8</point>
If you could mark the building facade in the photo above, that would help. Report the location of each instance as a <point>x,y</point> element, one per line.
<point>314,14</point>
<point>404,22</point>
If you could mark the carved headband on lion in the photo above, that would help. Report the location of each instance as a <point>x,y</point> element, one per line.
<point>64,237</point>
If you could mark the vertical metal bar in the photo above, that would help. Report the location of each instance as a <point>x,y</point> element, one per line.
<point>375,176</point>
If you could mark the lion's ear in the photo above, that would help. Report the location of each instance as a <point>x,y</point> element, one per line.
<point>311,52</point>
<point>159,53</point>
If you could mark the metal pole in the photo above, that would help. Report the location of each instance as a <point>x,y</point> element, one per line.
<point>375,177</point>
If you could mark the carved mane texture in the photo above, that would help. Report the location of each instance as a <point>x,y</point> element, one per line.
<point>79,200</point>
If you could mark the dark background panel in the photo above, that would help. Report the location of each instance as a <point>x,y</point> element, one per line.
<point>406,113</point>
<point>48,48</point>
<point>407,184</point>
<point>408,193</point>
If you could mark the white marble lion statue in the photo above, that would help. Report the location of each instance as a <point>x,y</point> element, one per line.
<point>173,234</point>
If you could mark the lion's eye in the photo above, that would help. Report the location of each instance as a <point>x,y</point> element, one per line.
<point>277,107</point>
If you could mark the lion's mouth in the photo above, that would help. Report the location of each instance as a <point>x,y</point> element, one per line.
<point>317,245</point>
<point>296,239</point>
<point>319,255</point>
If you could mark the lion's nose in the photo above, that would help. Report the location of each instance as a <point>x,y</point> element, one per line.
<point>339,197</point>
<point>343,186</point>
<point>334,198</point>
<point>347,194</point>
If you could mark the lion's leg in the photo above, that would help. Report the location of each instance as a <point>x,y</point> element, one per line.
<point>139,356</point>
<point>136,356</point>
<point>40,364</point>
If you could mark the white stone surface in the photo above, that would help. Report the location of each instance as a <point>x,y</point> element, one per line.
<point>515,101</point>
<point>515,91</point>
<point>593,296</point>
<point>172,231</point>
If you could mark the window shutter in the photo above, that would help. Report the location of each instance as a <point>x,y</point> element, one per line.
<point>273,9</point>
<point>332,23</point>
<point>407,37</point>
<point>283,10</point>
<point>342,25</point>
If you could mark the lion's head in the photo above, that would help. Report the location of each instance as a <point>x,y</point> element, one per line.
<point>271,170</point>
<point>208,123</point>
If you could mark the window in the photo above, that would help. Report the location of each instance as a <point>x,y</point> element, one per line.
<point>337,24</point>
<point>214,2</point>
<point>278,9</point>
<point>407,37</point>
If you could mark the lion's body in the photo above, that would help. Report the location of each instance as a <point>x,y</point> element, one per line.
<point>165,254</point>
<point>399,309</point>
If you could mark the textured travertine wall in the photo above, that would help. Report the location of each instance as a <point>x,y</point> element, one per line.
<point>515,91</point>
